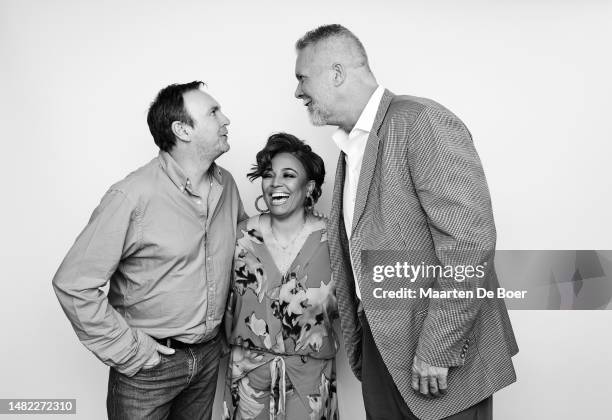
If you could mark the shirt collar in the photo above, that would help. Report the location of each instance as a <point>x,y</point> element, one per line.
<point>176,174</point>
<point>363,125</point>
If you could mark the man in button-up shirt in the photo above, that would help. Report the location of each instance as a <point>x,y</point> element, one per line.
<point>163,239</point>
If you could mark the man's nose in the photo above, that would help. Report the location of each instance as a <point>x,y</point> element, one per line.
<point>224,119</point>
<point>298,91</point>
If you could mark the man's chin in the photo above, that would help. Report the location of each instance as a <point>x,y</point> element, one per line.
<point>317,119</point>
<point>318,123</point>
<point>221,151</point>
<point>224,146</point>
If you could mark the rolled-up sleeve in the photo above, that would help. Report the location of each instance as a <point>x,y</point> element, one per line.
<point>110,236</point>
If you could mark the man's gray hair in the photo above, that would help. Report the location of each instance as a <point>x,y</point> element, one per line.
<point>326,32</point>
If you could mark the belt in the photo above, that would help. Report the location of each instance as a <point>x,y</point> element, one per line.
<point>174,344</point>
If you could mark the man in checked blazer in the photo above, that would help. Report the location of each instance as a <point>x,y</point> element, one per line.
<point>408,178</point>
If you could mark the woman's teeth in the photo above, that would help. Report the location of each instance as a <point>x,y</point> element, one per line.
<point>279,199</point>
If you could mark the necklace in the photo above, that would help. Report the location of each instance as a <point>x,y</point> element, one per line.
<point>290,242</point>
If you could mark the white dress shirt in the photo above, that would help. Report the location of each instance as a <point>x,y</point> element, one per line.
<point>353,145</point>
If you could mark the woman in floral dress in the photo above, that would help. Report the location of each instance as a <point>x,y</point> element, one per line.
<point>282,343</point>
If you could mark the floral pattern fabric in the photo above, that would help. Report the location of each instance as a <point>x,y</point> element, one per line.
<point>283,345</point>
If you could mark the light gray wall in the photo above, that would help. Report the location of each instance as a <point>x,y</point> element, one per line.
<point>530,79</point>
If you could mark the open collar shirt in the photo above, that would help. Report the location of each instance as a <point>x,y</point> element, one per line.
<point>353,146</point>
<point>166,254</point>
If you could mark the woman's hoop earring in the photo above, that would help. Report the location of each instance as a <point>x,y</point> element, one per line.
<point>309,203</point>
<point>257,205</point>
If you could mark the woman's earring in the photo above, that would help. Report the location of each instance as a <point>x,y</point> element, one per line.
<point>257,205</point>
<point>309,203</point>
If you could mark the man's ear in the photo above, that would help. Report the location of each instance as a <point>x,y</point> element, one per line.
<point>338,74</point>
<point>181,130</point>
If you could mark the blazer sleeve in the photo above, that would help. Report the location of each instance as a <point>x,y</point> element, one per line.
<point>452,189</point>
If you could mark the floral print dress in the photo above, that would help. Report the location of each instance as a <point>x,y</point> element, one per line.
<point>283,346</point>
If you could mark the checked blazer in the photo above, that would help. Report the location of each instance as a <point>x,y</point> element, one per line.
<point>422,188</point>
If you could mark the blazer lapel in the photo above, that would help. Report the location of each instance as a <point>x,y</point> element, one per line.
<point>337,237</point>
<point>335,216</point>
<point>369,160</point>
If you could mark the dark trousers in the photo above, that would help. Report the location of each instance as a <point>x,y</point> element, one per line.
<point>381,397</point>
<point>182,386</point>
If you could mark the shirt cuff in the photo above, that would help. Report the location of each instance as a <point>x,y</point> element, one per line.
<point>145,347</point>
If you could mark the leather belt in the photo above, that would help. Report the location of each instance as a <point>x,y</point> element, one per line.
<point>173,344</point>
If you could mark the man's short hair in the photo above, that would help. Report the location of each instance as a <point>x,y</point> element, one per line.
<point>325,32</point>
<point>168,107</point>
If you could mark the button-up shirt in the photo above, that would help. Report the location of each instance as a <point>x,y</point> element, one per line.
<point>166,254</point>
<point>353,145</point>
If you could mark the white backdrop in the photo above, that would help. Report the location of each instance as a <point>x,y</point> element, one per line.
<point>530,79</point>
